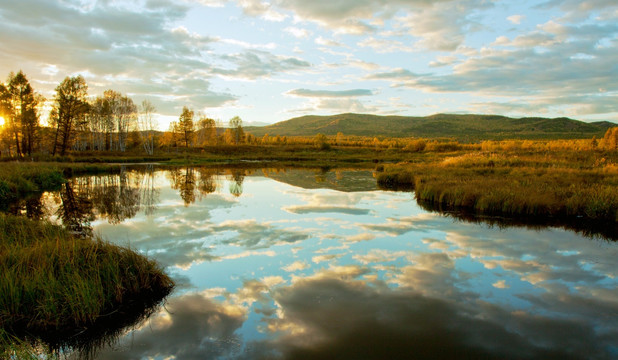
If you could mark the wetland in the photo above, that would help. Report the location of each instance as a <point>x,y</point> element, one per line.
<point>323,263</point>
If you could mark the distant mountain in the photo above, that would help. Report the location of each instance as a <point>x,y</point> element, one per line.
<point>463,127</point>
<point>255,123</point>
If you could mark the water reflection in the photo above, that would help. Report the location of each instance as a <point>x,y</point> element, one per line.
<point>276,263</point>
<point>104,333</point>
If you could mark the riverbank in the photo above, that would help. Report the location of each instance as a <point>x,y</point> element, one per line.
<point>20,179</point>
<point>55,285</point>
<point>560,184</point>
<point>567,179</point>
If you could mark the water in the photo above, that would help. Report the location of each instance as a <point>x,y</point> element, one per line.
<point>289,263</point>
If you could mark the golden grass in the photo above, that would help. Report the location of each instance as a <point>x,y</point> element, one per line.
<point>515,184</point>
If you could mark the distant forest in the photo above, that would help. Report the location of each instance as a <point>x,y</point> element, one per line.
<point>109,122</point>
<point>112,122</point>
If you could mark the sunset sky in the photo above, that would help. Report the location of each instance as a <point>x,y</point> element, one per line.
<point>268,61</point>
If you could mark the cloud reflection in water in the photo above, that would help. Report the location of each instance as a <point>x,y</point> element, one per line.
<point>285,272</point>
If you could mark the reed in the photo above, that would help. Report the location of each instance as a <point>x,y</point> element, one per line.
<point>567,185</point>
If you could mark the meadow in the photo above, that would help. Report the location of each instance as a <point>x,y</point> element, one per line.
<point>508,179</point>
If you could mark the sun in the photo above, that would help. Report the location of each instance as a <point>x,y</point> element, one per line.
<point>1,121</point>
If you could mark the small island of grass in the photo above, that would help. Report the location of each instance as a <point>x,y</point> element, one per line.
<point>55,285</point>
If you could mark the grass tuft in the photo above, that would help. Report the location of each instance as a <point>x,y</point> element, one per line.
<point>55,284</point>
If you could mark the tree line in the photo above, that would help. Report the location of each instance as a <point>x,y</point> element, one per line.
<point>108,122</point>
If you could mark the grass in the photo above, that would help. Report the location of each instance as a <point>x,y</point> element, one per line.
<point>19,179</point>
<point>564,184</point>
<point>54,285</point>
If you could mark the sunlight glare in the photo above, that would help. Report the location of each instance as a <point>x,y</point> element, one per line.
<point>1,121</point>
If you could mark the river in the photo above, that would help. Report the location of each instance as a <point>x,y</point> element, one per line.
<point>321,264</point>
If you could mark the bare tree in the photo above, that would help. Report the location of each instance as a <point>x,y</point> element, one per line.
<point>207,130</point>
<point>238,134</point>
<point>146,126</point>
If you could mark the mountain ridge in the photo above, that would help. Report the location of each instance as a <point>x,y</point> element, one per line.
<point>459,126</point>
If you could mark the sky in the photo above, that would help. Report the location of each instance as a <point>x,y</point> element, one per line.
<point>271,60</point>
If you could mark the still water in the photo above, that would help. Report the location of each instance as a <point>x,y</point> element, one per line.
<point>311,264</point>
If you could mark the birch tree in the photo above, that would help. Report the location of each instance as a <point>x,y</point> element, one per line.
<point>147,125</point>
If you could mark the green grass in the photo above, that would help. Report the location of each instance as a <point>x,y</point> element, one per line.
<point>53,284</point>
<point>571,185</point>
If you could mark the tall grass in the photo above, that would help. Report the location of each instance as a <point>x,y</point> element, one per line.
<point>529,185</point>
<point>53,284</point>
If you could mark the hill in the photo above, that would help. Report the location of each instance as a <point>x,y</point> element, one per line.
<point>461,127</point>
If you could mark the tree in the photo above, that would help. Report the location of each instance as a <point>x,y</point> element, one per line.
<point>321,142</point>
<point>19,106</point>
<point>185,125</point>
<point>340,138</point>
<point>110,119</point>
<point>69,110</point>
<point>238,134</point>
<point>207,130</point>
<point>97,118</point>
<point>610,140</point>
<point>126,114</point>
<point>146,126</point>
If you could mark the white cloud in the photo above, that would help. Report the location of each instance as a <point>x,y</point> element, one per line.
<point>297,32</point>
<point>327,42</point>
<point>516,19</point>
<point>329,93</point>
<point>384,45</point>
<point>500,284</point>
<point>296,266</point>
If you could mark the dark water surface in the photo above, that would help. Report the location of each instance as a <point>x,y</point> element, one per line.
<point>311,264</point>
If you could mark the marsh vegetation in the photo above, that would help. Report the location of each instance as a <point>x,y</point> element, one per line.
<point>56,285</point>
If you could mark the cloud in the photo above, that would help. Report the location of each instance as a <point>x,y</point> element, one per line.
<point>255,64</point>
<point>299,209</point>
<point>297,32</point>
<point>360,237</point>
<point>380,256</point>
<point>516,19</point>
<point>525,68</point>
<point>253,235</point>
<point>500,284</point>
<point>296,266</point>
<point>384,45</point>
<point>439,25</point>
<point>129,49</point>
<point>328,42</point>
<point>322,258</point>
<point>377,323</point>
<point>192,326</point>
<point>336,106</point>
<point>329,93</point>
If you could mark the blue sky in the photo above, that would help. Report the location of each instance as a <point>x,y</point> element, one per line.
<point>270,60</point>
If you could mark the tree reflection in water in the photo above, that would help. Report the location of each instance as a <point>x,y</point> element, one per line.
<point>76,209</point>
<point>238,176</point>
